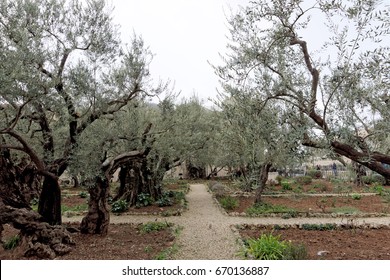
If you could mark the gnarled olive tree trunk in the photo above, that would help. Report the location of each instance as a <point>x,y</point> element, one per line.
<point>98,217</point>
<point>262,181</point>
<point>135,178</point>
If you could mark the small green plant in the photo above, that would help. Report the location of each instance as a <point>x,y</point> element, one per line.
<point>148,249</point>
<point>266,247</point>
<point>119,206</point>
<point>12,243</point>
<point>83,194</point>
<point>379,189</point>
<point>270,247</point>
<point>167,253</point>
<point>229,203</point>
<point>165,200</point>
<point>154,226</point>
<point>356,196</point>
<point>286,186</point>
<point>304,180</point>
<point>143,200</point>
<point>75,208</point>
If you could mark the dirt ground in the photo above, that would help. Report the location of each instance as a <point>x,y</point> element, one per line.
<point>123,242</point>
<point>321,204</point>
<point>339,244</point>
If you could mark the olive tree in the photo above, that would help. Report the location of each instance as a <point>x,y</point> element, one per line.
<point>257,137</point>
<point>329,61</point>
<point>62,68</point>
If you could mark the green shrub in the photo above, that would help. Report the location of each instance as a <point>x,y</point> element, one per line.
<point>279,179</point>
<point>304,180</point>
<point>165,200</point>
<point>12,243</point>
<point>143,200</point>
<point>286,186</point>
<point>119,206</point>
<point>270,247</point>
<point>266,247</point>
<point>229,203</point>
<point>154,226</point>
<point>315,174</point>
<point>356,196</point>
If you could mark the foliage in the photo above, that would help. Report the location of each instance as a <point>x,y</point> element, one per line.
<point>165,199</point>
<point>330,91</point>
<point>154,226</point>
<point>12,242</point>
<point>286,185</point>
<point>229,202</point>
<point>266,208</point>
<point>320,227</point>
<point>315,174</point>
<point>119,206</point>
<point>270,247</point>
<point>356,196</point>
<point>345,210</point>
<point>304,180</point>
<point>143,200</point>
<point>279,179</point>
<point>375,178</point>
<point>76,208</point>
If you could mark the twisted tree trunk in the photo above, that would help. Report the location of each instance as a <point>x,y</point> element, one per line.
<point>98,217</point>
<point>262,181</point>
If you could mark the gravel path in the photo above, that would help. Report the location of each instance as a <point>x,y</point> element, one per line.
<point>206,233</point>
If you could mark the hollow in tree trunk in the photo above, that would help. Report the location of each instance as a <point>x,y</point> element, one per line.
<point>50,200</point>
<point>135,178</point>
<point>262,181</point>
<point>98,217</point>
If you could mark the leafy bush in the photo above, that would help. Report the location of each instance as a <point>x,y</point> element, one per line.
<point>119,206</point>
<point>270,247</point>
<point>304,180</point>
<point>229,203</point>
<point>315,174</point>
<point>356,196</point>
<point>143,200</point>
<point>164,200</point>
<point>266,247</point>
<point>154,226</point>
<point>286,186</point>
<point>12,243</point>
<point>279,179</point>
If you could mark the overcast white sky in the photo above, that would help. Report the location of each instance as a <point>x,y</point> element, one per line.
<point>183,34</point>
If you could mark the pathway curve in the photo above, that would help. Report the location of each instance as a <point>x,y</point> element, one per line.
<point>206,233</point>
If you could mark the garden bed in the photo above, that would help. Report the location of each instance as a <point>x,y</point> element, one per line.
<point>347,243</point>
<point>123,242</point>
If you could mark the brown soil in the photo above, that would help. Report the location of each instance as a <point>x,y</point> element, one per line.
<point>320,204</point>
<point>340,244</point>
<point>123,242</point>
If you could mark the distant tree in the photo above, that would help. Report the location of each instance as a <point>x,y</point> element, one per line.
<point>337,83</point>
<point>257,138</point>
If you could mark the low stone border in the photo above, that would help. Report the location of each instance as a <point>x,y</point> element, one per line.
<point>299,214</point>
<point>346,225</point>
